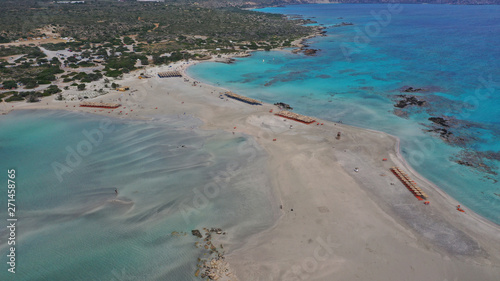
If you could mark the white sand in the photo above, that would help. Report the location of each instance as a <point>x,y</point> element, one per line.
<point>344,225</point>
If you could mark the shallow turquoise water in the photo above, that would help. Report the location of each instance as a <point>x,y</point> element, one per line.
<point>355,77</point>
<point>78,229</point>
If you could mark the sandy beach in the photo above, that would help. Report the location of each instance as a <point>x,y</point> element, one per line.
<point>334,223</point>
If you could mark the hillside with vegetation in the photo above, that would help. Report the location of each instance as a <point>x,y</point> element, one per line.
<point>98,21</point>
<point>45,45</point>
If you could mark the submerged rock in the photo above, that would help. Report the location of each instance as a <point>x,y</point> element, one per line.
<point>343,24</point>
<point>480,160</point>
<point>196,233</point>
<point>412,90</point>
<point>439,120</point>
<point>283,105</point>
<point>409,101</point>
<point>401,113</point>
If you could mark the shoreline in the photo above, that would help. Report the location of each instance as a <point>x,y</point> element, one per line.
<point>440,191</point>
<point>311,144</point>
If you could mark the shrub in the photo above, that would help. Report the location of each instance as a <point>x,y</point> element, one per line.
<point>113,73</point>
<point>52,89</point>
<point>10,84</point>
<point>31,85</point>
<point>32,98</point>
<point>14,97</point>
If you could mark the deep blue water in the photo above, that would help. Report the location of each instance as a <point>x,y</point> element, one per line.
<point>450,51</point>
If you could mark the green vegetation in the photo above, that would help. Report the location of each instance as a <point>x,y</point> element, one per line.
<point>61,46</point>
<point>129,41</point>
<point>6,94</point>
<point>20,96</point>
<point>10,84</point>
<point>52,89</point>
<point>30,52</point>
<point>151,22</point>
<point>14,97</point>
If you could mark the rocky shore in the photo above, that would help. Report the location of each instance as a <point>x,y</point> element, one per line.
<point>213,265</point>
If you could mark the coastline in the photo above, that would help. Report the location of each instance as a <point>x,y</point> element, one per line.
<point>314,176</point>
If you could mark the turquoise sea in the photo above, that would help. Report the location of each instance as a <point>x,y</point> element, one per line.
<point>449,51</point>
<point>169,177</point>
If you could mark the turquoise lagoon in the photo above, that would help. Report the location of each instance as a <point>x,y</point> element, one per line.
<point>169,175</point>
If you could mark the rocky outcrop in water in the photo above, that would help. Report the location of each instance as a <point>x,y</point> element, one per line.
<point>196,233</point>
<point>283,105</point>
<point>409,101</point>
<point>445,128</point>
<point>213,265</point>
<point>310,52</point>
<point>455,132</point>
<point>480,160</point>
<point>460,133</point>
<point>343,24</point>
<point>412,90</point>
<point>440,121</point>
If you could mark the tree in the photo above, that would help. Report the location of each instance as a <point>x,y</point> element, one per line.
<point>55,61</point>
<point>31,85</point>
<point>127,40</point>
<point>32,98</point>
<point>81,87</point>
<point>52,89</point>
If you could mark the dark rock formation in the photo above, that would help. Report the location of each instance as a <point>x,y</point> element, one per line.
<point>480,160</point>
<point>283,105</point>
<point>196,233</point>
<point>443,133</point>
<point>408,101</point>
<point>440,121</point>
<point>310,52</point>
<point>343,24</point>
<point>412,90</point>
<point>465,163</point>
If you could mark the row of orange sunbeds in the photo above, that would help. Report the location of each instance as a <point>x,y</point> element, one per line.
<point>409,183</point>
